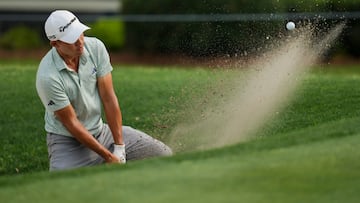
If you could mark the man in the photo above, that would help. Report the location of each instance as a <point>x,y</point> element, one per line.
<point>73,82</point>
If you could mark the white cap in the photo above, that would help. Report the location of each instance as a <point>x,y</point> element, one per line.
<point>64,26</point>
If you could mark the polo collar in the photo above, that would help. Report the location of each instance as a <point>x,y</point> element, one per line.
<point>60,63</point>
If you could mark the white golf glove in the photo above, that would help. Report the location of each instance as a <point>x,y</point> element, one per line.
<point>119,152</point>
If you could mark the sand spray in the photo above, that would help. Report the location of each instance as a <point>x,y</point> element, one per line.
<point>252,96</point>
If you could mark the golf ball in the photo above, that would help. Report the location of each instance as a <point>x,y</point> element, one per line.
<point>290,25</point>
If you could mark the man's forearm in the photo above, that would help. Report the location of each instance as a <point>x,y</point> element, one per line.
<point>111,107</point>
<point>114,120</point>
<point>68,118</point>
<point>84,137</point>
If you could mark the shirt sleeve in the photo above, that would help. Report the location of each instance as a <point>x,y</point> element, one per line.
<point>103,59</point>
<point>52,94</point>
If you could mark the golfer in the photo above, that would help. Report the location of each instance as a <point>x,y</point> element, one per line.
<point>74,82</point>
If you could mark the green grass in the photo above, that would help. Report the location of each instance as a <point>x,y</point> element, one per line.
<point>308,153</point>
<point>146,95</point>
<point>22,136</point>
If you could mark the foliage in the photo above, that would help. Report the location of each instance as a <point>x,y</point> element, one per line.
<point>221,38</point>
<point>20,37</point>
<point>110,31</point>
<point>235,6</point>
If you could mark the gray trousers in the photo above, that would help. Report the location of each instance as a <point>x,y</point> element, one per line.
<point>67,153</point>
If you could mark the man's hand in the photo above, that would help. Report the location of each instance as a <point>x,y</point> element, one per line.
<point>112,159</point>
<point>68,118</point>
<point>119,152</point>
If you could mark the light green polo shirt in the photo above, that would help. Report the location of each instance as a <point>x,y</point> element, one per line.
<point>58,86</point>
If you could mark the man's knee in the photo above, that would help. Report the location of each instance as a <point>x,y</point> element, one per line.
<point>140,145</point>
<point>160,149</point>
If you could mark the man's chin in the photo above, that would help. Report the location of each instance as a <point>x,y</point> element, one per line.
<point>80,51</point>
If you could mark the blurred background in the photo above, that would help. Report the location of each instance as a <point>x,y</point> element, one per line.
<point>156,31</point>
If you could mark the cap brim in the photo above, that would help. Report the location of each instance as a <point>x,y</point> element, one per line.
<point>74,34</point>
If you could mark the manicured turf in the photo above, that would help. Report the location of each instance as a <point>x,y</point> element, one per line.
<point>308,153</point>
<point>149,98</point>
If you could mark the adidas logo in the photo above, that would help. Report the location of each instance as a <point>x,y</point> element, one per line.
<point>94,71</point>
<point>51,102</point>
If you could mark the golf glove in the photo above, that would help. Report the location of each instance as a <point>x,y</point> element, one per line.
<point>119,152</point>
